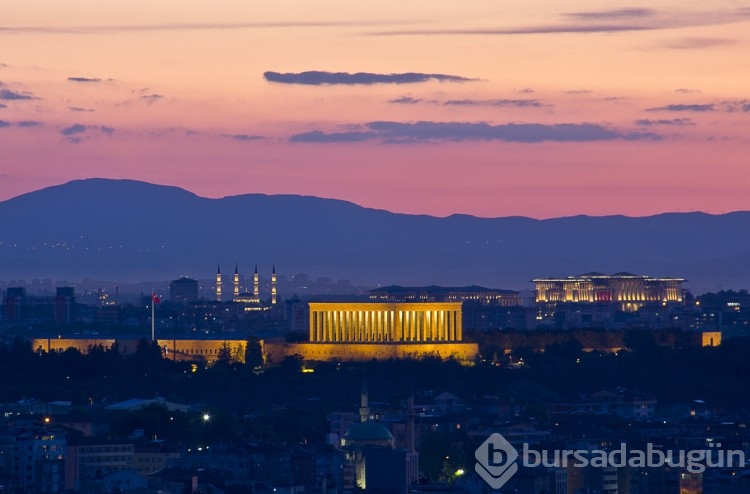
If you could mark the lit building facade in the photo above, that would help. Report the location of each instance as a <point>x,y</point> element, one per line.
<point>629,291</point>
<point>385,322</point>
<point>366,331</point>
<point>474,293</point>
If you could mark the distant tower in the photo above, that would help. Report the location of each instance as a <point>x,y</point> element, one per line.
<point>410,424</point>
<point>218,284</point>
<point>412,457</point>
<point>236,282</point>
<point>364,408</point>
<point>256,283</point>
<point>273,285</point>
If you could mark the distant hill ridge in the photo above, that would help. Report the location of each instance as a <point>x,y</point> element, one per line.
<point>133,231</point>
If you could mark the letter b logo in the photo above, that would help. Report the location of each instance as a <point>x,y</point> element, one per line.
<point>496,459</point>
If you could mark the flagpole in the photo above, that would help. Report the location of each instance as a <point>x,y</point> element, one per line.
<point>153,303</point>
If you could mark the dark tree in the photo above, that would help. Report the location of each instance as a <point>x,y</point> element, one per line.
<point>225,354</point>
<point>253,353</point>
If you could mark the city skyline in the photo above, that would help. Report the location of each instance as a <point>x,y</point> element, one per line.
<point>532,109</point>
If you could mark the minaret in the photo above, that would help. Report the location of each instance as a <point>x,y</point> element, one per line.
<point>364,409</point>
<point>256,283</point>
<point>410,424</point>
<point>273,285</point>
<point>236,282</point>
<point>218,284</point>
<point>412,457</point>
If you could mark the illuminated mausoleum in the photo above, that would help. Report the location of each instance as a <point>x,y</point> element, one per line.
<point>385,322</point>
<point>366,330</point>
<point>630,291</point>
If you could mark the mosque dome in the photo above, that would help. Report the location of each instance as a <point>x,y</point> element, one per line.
<point>368,432</point>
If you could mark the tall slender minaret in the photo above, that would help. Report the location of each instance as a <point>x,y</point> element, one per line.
<point>410,423</point>
<point>412,457</point>
<point>256,283</point>
<point>273,285</point>
<point>236,282</point>
<point>218,283</point>
<point>364,408</point>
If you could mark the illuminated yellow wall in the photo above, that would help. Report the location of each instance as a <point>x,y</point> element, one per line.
<point>276,352</point>
<point>711,338</point>
<point>183,349</point>
<point>208,350</point>
<point>369,322</point>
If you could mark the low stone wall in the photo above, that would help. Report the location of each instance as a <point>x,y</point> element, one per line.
<point>277,351</point>
<point>175,349</point>
<point>208,350</point>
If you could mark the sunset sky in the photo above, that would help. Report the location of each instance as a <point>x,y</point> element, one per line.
<point>537,108</point>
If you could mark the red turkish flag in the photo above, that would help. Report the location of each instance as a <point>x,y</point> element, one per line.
<point>155,298</point>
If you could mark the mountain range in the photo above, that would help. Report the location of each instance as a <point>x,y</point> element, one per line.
<point>124,230</point>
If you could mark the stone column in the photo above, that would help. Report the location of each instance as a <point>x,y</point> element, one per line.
<point>313,320</point>
<point>329,325</point>
<point>459,328</point>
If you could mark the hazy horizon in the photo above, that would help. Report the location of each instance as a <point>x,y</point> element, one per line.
<point>118,230</point>
<point>381,208</point>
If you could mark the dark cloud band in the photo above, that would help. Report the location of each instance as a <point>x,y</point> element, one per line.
<point>683,107</point>
<point>521,103</point>
<point>321,78</point>
<point>720,106</point>
<point>628,13</point>
<point>75,131</point>
<point>605,21</point>
<point>84,79</point>
<point>10,95</point>
<point>518,103</point>
<point>674,121</point>
<point>244,137</point>
<point>399,132</point>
